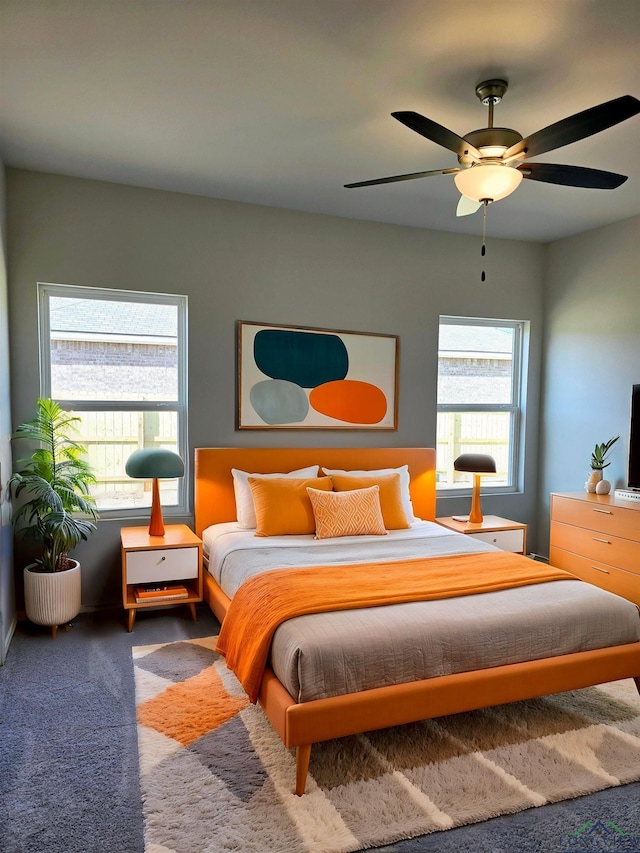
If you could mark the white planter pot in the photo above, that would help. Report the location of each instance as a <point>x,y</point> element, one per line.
<point>52,598</point>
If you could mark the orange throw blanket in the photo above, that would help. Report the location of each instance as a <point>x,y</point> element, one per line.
<point>265,601</point>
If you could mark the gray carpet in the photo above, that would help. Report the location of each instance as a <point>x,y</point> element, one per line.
<point>69,765</point>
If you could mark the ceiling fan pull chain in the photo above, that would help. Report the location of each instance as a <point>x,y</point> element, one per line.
<point>485,204</point>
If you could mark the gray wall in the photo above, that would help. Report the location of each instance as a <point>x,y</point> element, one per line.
<point>592,356</point>
<point>238,261</point>
<point>7,598</point>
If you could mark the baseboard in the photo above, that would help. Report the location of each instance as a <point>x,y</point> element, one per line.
<point>6,639</point>
<point>538,557</point>
<point>94,608</point>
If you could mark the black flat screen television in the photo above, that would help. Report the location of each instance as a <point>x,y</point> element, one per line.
<point>634,439</point>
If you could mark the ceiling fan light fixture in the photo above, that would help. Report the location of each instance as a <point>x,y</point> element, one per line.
<point>494,151</point>
<point>487,181</point>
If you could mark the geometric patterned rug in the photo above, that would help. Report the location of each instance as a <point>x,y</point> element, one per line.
<point>216,777</point>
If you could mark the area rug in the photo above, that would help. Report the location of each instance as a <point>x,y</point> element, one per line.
<point>215,776</point>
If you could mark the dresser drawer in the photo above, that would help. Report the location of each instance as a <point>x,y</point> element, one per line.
<point>506,540</point>
<point>604,517</point>
<point>615,580</point>
<point>162,564</point>
<point>600,547</point>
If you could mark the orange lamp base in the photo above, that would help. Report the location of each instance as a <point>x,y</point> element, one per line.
<point>156,524</point>
<point>475,516</point>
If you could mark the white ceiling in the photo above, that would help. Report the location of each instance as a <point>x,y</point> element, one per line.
<point>281,102</point>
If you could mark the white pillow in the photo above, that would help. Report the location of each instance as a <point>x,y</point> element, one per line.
<point>404,484</point>
<point>245,508</point>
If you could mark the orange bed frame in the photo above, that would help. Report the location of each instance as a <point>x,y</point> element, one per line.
<point>300,725</point>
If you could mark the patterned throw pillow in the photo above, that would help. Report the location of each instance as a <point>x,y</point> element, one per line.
<point>403,470</point>
<point>353,513</point>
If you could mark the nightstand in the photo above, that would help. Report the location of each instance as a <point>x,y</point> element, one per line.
<point>148,560</point>
<point>506,535</point>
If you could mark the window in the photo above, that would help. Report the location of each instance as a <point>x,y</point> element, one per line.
<point>118,359</point>
<point>480,368</point>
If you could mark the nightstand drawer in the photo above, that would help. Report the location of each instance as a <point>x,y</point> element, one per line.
<point>506,540</point>
<point>161,564</point>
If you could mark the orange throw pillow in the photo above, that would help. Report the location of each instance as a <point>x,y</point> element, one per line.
<point>393,513</point>
<point>352,513</point>
<point>283,506</point>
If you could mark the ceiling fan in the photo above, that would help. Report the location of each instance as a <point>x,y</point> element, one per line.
<point>493,160</point>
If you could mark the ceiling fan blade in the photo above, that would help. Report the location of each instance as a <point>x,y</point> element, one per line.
<point>571,176</point>
<point>409,177</point>
<point>576,127</point>
<point>436,133</point>
<point>467,206</point>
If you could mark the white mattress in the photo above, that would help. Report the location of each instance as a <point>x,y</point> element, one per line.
<point>234,554</point>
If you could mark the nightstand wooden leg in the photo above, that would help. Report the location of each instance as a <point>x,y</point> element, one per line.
<point>132,619</point>
<point>192,608</point>
<point>637,681</point>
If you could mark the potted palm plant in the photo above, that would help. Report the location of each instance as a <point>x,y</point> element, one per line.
<point>55,511</point>
<point>599,462</point>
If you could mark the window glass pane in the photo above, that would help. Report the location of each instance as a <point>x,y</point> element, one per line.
<point>118,359</point>
<point>475,364</point>
<point>102,349</point>
<point>472,432</point>
<point>479,382</point>
<point>111,437</point>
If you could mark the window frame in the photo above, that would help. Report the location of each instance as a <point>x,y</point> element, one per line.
<point>515,408</point>
<point>72,291</point>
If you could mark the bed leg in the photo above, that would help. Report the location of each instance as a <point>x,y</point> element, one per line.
<point>303,754</point>
<point>637,681</point>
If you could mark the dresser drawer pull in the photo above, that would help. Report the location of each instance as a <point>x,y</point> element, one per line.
<point>604,541</point>
<point>605,511</point>
<point>598,569</point>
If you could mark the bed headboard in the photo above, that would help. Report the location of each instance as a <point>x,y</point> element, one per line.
<point>215,500</point>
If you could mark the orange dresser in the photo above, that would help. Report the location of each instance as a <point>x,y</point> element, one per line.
<point>597,538</point>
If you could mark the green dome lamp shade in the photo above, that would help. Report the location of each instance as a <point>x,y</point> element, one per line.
<point>154,464</point>
<point>477,464</point>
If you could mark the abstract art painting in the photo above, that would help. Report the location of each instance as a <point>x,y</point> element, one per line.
<point>305,378</point>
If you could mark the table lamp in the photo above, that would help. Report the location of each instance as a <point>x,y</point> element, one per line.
<point>155,464</point>
<point>476,464</point>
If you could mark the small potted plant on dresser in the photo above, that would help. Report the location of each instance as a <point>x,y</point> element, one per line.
<point>55,511</point>
<point>595,483</point>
